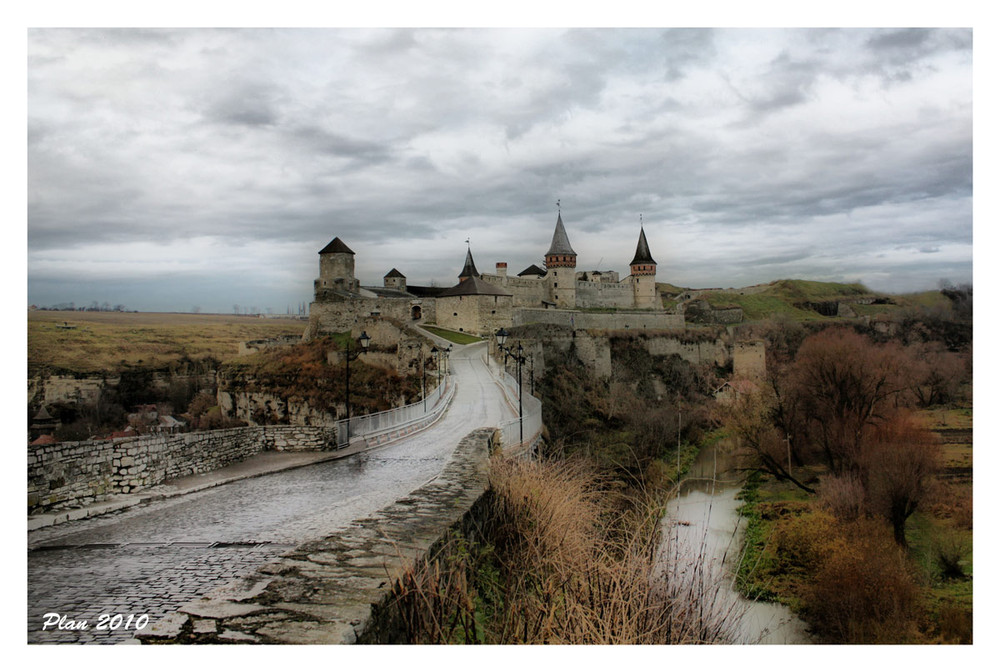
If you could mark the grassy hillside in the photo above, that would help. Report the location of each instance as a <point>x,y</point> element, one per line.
<point>800,299</point>
<point>95,342</point>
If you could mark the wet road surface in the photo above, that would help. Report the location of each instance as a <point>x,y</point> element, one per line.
<point>150,560</point>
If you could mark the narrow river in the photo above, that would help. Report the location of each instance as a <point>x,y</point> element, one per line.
<point>702,532</point>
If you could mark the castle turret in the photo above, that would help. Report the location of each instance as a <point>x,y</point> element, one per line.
<point>394,280</point>
<point>643,276</point>
<point>336,269</point>
<point>469,270</point>
<point>560,264</point>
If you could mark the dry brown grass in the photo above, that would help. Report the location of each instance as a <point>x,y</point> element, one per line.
<point>100,342</point>
<point>562,559</point>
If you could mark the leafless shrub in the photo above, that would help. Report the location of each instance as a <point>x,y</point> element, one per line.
<point>843,496</point>
<point>562,560</point>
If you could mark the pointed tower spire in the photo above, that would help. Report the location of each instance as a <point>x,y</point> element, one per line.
<point>469,270</point>
<point>560,242</point>
<point>642,255</point>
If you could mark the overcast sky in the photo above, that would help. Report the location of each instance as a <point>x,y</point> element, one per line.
<point>169,169</point>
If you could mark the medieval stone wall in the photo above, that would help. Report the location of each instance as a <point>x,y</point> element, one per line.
<point>594,348</point>
<point>474,314</point>
<point>749,360</point>
<point>604,295</point>
<point>78,473</point>
<point>715,351</point>
<point>608,321</point>
<point>331,317</point>
<point>527,291</point>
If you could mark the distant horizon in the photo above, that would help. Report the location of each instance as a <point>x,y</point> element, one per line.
<point>86,306</point>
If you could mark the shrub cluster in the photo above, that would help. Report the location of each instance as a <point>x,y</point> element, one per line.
<point>563,558</point>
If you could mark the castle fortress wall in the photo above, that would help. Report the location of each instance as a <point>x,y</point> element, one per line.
<point>342,315</point>
<point>595,351</point>
<point>607,321</point>
<point>604,295</point>
<point>749,360</point>
<point>528,292</point>
<point>716,351</point>
<point>475,314</point>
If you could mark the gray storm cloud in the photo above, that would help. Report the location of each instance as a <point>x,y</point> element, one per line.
<point>751,154</point>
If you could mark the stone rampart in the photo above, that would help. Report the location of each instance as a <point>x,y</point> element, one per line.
<point>78,473</point>
<point>601,321</point>
<point>604,295</point>
<point>526,291</point>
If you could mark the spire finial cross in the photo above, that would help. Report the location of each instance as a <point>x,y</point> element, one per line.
<point>558,205</point>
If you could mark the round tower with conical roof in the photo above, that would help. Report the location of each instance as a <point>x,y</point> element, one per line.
<point>643,277</point>
<point>560,266</point>
<point>336,269</point>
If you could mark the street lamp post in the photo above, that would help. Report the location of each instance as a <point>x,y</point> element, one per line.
<point>423,377</point>
<point>501,340</point>
<point>365,341</point>
<point>520,408</point>
<point>435,355</point>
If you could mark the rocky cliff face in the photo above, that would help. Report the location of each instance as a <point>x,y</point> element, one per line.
<point>259,408</point>
<point>82,391</point>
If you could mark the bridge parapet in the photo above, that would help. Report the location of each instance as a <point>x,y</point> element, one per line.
<point>337,590</point>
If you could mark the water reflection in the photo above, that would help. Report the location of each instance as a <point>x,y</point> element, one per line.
<point>701,533</point>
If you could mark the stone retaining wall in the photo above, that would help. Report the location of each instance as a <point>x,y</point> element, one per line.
<point>606,321</point>
<point>78,473</point>
<point>337,590</point>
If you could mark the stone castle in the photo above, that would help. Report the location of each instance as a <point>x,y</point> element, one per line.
<point>482,303</point>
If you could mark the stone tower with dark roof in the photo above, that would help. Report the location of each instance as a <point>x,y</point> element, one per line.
<point>394,280</point>
<point>336,270</point>
<point>643,277</point>
<point>560,266</point>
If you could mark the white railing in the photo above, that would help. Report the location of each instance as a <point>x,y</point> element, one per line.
<point>384,421</point>
<point>521,434</point>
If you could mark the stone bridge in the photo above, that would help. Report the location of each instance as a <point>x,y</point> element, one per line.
<point>299,556</point>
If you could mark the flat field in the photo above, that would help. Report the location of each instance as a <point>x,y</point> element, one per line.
<point>97,342</point>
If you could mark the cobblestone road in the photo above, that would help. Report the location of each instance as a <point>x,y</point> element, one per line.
<point>154,558</point>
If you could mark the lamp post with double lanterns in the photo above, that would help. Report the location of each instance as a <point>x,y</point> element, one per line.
<point>520,358</point>
<point>520,411</point>
<point>501,340</point>
<point>364,340</point>
<point>423,372</point>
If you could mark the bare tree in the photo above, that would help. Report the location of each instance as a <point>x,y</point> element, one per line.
<point>899,458</point>
<point>751,418</point>
<point>846,384</point>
